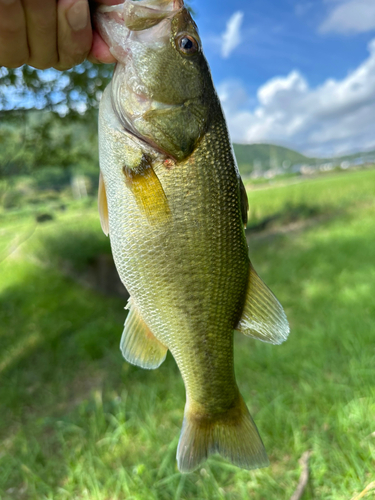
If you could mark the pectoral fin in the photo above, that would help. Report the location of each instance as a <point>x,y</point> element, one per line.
<point>263,317</point>
<point>148,191</point>
<point>138,344</point>
<point>103,206</point>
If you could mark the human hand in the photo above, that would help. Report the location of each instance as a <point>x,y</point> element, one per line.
<point>49,33</point>
<point>99,52</point>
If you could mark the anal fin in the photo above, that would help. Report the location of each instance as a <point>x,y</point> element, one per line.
<point>103,206</point>
<point>263,317</point>
<point>138,344</point>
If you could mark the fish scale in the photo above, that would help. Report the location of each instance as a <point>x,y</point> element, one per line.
<point>220,248</point>
<point>173,203</point>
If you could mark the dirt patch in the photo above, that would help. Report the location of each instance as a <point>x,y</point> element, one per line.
<point>268,235</point>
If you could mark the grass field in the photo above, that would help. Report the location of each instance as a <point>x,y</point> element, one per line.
<point>326,194</point>
<point>77,422</point>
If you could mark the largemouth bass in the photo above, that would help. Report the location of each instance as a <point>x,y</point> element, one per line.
<point>174,206</point>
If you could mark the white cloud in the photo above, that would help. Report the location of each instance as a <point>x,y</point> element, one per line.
<point>334,118</point>
<point>350,16</point>
<point>232,36</point>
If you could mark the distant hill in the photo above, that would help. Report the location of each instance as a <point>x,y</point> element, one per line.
<point>261,157</point>
<point>365,155</point>
<point>252,157</point>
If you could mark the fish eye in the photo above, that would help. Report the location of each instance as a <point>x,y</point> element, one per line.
<point>187,44</point>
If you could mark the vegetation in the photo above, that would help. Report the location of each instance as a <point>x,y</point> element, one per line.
<point>33,104</point>
<point>38,139</point>
<point>80,423</point>
<point>325,194</point>
<point>72,94</point>
<point>77,422</point>
<point>260,156</point>
<point>42,140</point>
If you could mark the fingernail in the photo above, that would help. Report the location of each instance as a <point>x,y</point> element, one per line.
<point>78,16</point>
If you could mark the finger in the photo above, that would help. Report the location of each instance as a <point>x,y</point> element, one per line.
<point>99,51</point>
<point>41,32</point>
<point>14,51</point>
<point>74,32</point>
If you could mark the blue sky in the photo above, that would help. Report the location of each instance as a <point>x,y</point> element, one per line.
<point>295,72</point>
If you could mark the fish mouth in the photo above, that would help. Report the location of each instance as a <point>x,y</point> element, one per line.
<point>160,5</point>
<point>120,11</point>
<point>116,23</point>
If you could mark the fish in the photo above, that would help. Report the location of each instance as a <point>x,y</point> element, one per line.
<point>174,206</point>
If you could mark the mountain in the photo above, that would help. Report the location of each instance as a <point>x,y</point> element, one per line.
<point>262,157</point>
<point>366,156</point>
<point>252,157</point>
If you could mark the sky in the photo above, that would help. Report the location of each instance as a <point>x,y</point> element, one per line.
<point>298,73</point>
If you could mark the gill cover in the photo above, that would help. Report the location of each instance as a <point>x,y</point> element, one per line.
<point>159,88</point>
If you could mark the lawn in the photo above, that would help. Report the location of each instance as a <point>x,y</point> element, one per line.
<point>78,422</point>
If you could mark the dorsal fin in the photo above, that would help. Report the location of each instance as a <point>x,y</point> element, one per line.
<point>263,317</point>
<point>138,344</point>
<point>103,206</point>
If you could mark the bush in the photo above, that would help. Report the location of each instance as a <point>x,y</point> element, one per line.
<point>51,178</point>
<point>12,199</point>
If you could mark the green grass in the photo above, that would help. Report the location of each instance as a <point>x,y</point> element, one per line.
<point>77,422</point>
<point>327,192</point>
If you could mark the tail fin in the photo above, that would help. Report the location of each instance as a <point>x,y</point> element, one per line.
<point>233,434</point>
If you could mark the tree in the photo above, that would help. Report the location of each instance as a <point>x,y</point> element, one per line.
<point>65,98</point>
<point>38,111</point>
<point>72,94</point>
